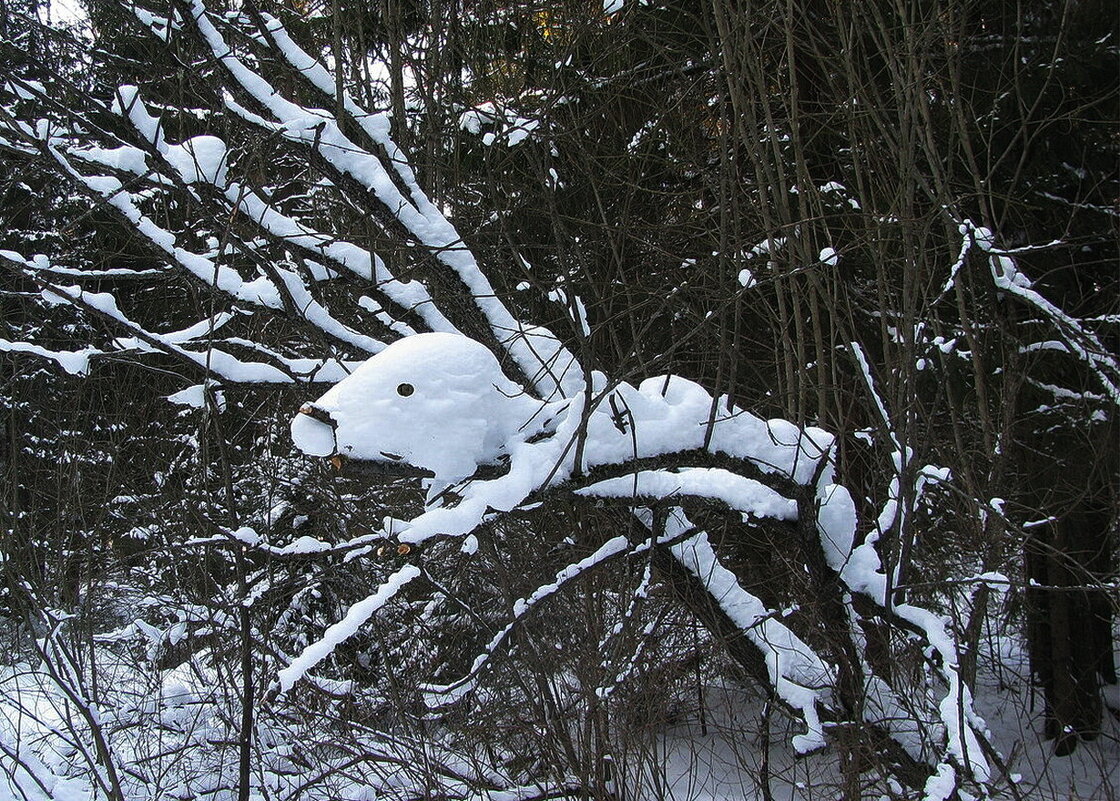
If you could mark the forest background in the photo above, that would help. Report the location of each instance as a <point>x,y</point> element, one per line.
<point>894,221</point>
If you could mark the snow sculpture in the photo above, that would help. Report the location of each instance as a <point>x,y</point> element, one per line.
<point>439,402</point>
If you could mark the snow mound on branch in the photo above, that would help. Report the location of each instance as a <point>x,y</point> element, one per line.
<point>201,158</point>
<point>435,401</point>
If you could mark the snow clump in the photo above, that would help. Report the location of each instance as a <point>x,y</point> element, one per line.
<point>435,401</point>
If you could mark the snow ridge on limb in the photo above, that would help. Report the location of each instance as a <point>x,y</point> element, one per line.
<point>199,160</point>
<point>203,159</point>
<point>799,677</point>
<point>862,572</point>
<point>74,362</point>
<point>341,631</point>
<point>900,507</point>
<point>210,360</point>
<point>441,695</point>
<point>551,369</point>
<point>746,495</point>
<point>1081,342</point>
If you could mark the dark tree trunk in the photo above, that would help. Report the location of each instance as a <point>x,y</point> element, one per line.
<point>1070,622</point>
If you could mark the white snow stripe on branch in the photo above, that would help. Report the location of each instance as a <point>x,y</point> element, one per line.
<point>341,631</point>
<point>213,360</point>
<point>742,494</point>
<point>523,606</point>
<point>75,362</point>
<point>1083,343</point>
<point>346,255</point>
<point>797,674</point>
<point>319,129</point>
<point>863,573</point>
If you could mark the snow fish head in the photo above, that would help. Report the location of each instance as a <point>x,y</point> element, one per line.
<point>438,402</point>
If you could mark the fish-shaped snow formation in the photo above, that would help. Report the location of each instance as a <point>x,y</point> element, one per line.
<point>440,402</point>
<point>437,401</point>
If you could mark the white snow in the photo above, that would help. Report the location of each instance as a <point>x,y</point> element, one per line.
<point>128,104</point>
<point>836,524</point>
<point>127,158</point>
<point>743,494</point>
<point>75,362</point>
<point>195,397</point>
<point>435,401</point>
<point>442,402</point>
<point>422,218</point>
<point>202,158</point>
<point>504,122</point>
<point>212,360</point>
<point>797,674</point>
<point>940,785</point>
<point>341,631</point>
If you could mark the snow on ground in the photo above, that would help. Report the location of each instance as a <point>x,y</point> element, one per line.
<point>1003,696</point>
<point>166,725</point>
<point>726,757</point>
<point>727,763</point>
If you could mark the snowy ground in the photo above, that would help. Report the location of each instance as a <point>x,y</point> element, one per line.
<point>727,763</point>
<point>1091,773</point>
<point>166,726</point>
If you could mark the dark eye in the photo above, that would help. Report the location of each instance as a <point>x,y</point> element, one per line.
<point>404,390</point>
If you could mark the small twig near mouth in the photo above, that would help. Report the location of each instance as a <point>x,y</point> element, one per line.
<point>321,415</point>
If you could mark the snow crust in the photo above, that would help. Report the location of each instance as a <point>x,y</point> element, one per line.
<point>202,158</point>
<point>74,362</point>
<point>465,413</point>
<point>195,397</point>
